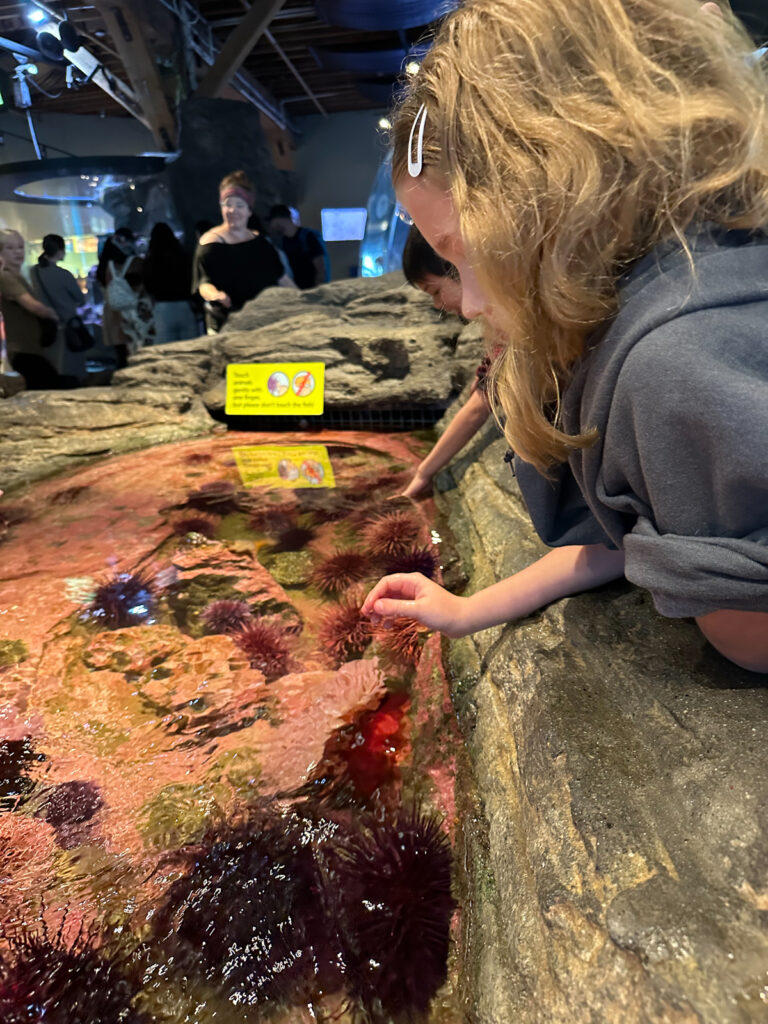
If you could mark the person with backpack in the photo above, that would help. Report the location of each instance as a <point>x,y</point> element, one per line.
<point>125,324</point>
<point>304,248</point>
<point>57,288</point>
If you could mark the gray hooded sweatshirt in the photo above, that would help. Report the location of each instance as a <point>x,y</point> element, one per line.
<point>677,386</point>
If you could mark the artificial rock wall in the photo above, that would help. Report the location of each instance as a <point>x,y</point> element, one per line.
<point>612,796</point>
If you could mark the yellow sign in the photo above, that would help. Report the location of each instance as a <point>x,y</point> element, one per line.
<point>275,389</point>
<point>275,465</point>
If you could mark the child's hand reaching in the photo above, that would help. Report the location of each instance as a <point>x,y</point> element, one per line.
<point>411,595</point>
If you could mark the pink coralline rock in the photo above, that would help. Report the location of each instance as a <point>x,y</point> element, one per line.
<point>134,651</point>
<point>13,726</point>
<point>27,849</point>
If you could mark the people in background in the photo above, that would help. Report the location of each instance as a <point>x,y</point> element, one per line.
<point>563,156</point>
<point>167,276</point>
<point>424,269</point>
<point>126,326</point>
<point>304,248</point>
<point>30,325</point>
<point>234,263</point>
<point>56,287</point>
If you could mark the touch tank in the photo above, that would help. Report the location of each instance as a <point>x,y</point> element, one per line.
<point>224,796</point>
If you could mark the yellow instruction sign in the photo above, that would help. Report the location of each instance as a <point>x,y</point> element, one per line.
<point>275,389</point>
<point>276,465</point>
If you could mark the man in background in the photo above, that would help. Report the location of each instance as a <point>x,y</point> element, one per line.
<point>304,248</point>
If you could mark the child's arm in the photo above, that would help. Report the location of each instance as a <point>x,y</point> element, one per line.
<point>461,429</point>
<point>742,637</point>
<point>562,571</point>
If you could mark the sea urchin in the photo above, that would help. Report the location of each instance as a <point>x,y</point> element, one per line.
<point>264,644</point>
<point>339,571</point>
<point>41,979</point>
<point>393,900</point>
<point>344,632</point>
<point>226,616</point>
<point>421,560</point>
<point>392,533</point>
<point>401,640</point>
<point>126,599</point>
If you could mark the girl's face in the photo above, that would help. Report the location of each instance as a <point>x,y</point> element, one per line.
<point>432,211</point>
<point>13,252</point>
<point>235,212</point>
<point>445,292</point>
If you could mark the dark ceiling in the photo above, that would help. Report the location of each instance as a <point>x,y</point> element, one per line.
<point>316,56</point>
<point>299,54</point>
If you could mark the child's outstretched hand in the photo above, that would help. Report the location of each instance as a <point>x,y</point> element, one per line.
<point>411,595</point>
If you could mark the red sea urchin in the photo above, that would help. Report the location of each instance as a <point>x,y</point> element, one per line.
<point>226,616</point>
<point>339,571</point>
<point>401,640</point>
<point>421,560</point>
<point>391,893</point>
<point>344,632</point>
<point>265,646</point>
<point>392,533</point>
<point>126,599</point>
<point>42,980</point>
<point>249,916</point>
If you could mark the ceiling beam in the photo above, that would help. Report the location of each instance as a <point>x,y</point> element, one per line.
<point>127,35</point>
<point>239,44</point>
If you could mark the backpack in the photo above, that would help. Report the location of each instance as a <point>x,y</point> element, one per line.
<point>124,301</point>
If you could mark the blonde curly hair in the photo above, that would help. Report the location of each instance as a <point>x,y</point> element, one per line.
<point>574,136</point>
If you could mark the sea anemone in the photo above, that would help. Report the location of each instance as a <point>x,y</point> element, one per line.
<point>392,533</point>
<point>126,599</point>
<point>359,766</point>
<point>249,915</point>
<point>71,803</point>
<point>43,980</point>
<point>339,571</point>
<point>204,525</point>
<point>392,897</point>
<point>344,632</point>
<point>421,560</point>
<point>16,758</point>
<point>226,616</point>
<point>401,640</point>
<point>218,497</point>
<point>264,644</point>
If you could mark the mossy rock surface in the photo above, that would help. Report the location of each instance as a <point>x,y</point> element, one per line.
<point>12,652</point>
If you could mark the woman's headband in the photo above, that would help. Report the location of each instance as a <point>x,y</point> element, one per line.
<point>415,164</point>
<point>241,193</point>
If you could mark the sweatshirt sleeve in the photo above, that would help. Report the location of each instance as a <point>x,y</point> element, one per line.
<point>686,452</point>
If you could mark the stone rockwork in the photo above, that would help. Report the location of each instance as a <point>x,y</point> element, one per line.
<point>46,432</point>
<point>612,796</point>
<point>382,343</point>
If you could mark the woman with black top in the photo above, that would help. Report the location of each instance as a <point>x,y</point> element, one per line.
<point>167,276</point>
<point>233,263</point>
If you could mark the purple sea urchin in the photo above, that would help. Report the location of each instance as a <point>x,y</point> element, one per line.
<point>344,632</point>
<point>249,915</point>
<point>295,538</point>
<point>226,616</point>
<point>392,533</point>
<point>421,560</point>
<point>16,758</point>
<point>392,898</point>
<point>124,600</point>
<point>339,571</point>
<point>265,646</point>
<point>43,980</point>
<point>71,803</point>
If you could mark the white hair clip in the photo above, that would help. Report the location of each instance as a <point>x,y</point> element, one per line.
<point>415,165</point>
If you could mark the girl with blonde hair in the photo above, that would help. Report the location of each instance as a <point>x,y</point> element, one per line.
<point>597,171</point>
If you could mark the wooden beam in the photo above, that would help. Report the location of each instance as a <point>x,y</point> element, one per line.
<point>239,44</point>
<point>127,36</point>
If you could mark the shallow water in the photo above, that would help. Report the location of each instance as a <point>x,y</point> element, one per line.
<point>222,797</point>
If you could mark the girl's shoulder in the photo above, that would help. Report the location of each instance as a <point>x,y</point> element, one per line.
<point>213,237</point>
